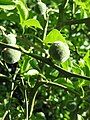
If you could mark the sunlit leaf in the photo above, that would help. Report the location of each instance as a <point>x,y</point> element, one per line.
<point>84,4</point>
<point>22,10</point>
<point>63,82</point>
<point>7,7</point>
<point>32,72</point>
<point>32,22</point>
<point>53,36</point>
<point>66,65</point>
<point>87,58</point>
<point>11,16</point>
<point>6,2</point>
<point>25,65</point>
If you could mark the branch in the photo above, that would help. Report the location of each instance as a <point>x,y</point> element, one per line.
<point>48,61</point>
<point>81,21</point>
<point>61,14</point>
<point>72,22</point>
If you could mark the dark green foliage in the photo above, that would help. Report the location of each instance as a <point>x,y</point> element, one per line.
<point>51,79</point>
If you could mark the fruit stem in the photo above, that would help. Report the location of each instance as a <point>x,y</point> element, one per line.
<point>46,26</point>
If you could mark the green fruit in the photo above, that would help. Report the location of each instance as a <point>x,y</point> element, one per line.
<point>40,116</point>
<point>10,55</point>
<point>10,39</point>
<point>42,7</point>
<point>71,106</point>
<point>59,51</point>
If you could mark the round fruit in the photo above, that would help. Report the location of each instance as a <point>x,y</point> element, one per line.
<point>10,39</point>
<point>59,51</point>
<point>42,7</point>
<point>10,55</point>
<point>71,105</point>
<point>40,116</point>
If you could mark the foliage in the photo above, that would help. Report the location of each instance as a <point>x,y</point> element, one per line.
<point>35,87</point>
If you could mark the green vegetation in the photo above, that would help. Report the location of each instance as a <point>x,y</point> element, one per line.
<point>44,60</point>
<point>10,56</point>
<point>59,51</point>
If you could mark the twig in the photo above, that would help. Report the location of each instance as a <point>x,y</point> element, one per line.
<point>61,14</point>
<point>5,114</point>
<point>26,98</point>
<point>60,86</point>
<point>32,97</point>
<point>46,26</point>
<point>48,61</point>
<point>13,84</point>
<point>72,22</point>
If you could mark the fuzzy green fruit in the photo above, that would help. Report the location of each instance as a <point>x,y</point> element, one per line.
<point>10,39</point>
<point>10,55</point>
<point>71,106</point>
<point>42,7</point>
<point>59,51</point>
<point>40,116</point>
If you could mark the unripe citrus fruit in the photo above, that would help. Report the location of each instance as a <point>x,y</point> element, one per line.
<point>42,7</point>
<point>59,51</point>
<point>10,39</point>
<point>10,55</point>
<point>71,105</point>
<point>40,116</point>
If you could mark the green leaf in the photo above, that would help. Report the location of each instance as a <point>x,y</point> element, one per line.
<point>68,84</point>
<point>32,22</point>
<point>6,2</point>
<point>84,4</point>
<point>7,7</point>
<point>87,58</point>
<point>66,65</point>
<point>25,65</point>
<point>10,16</point>
<point>22,11</point>
<point>53,36</point>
